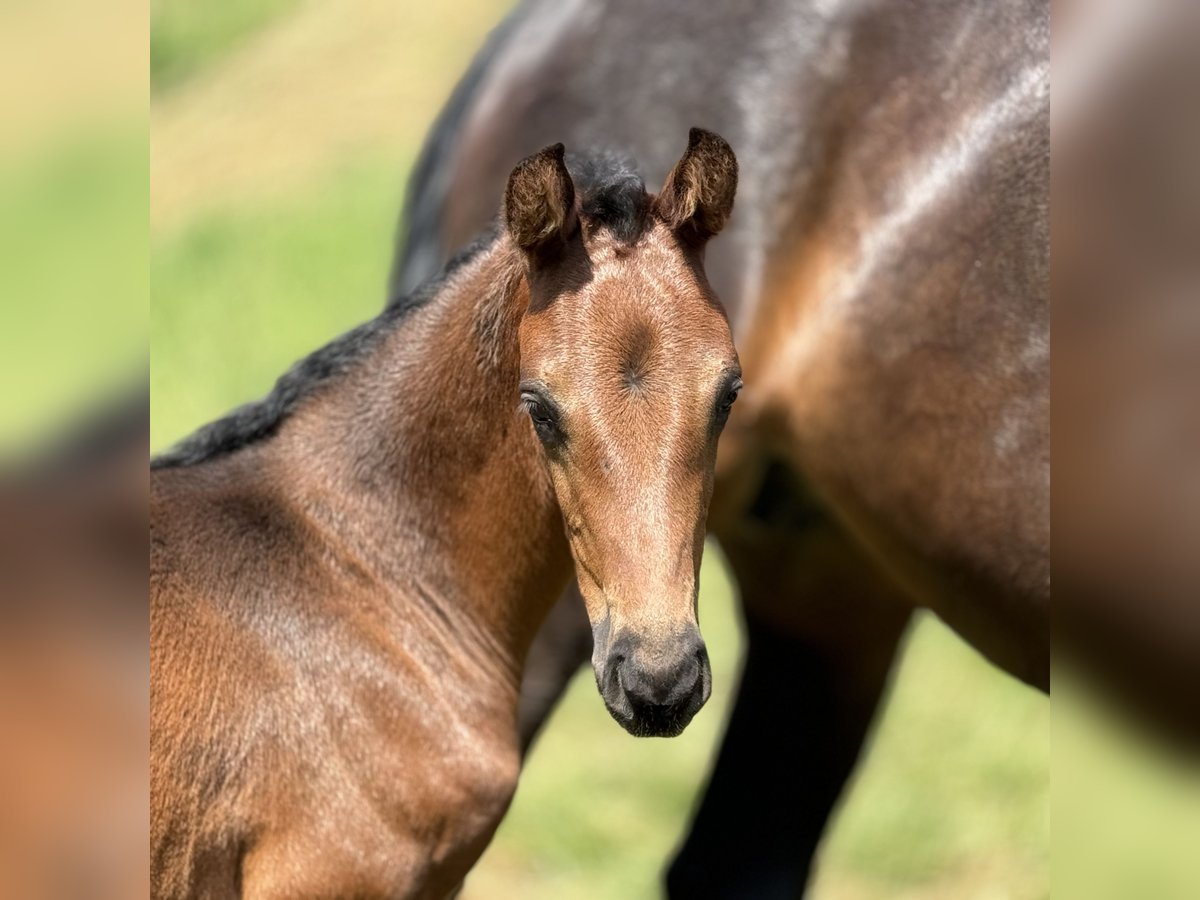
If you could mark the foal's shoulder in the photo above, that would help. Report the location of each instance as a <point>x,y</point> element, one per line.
<point>220,528</point>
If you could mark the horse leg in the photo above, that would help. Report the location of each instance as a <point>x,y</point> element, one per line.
<point>822,629</point>
<point>562,645</point>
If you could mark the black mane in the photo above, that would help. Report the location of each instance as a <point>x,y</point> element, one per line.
<point>261,418</point>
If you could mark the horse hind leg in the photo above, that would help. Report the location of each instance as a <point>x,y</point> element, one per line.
<point>822,630</point>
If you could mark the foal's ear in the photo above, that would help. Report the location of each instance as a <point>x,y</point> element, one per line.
<point>539,204</point>
<point>698,195</point>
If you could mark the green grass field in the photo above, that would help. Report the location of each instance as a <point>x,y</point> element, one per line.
<point>255,261</point>
<point>187,37</point>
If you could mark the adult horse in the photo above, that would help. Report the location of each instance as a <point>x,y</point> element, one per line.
<point>887,280</point>
<point>346,575</point>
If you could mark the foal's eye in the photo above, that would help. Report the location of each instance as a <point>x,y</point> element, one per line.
<point>730,395</point>
<point>544,418</point>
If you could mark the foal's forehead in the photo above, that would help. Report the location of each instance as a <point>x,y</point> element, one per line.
<point>655,248</point>
<point>644,312</point>
<point>629,308</point>
<point>653,279</point>
<point>649,336</point>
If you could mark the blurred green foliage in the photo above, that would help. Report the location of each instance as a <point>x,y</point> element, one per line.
<point>244,292</point>
<point>72,278</point>
<point>1126,810</point>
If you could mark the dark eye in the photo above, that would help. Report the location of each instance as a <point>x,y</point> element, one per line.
<point>729,395</point>
<point>543,416</point>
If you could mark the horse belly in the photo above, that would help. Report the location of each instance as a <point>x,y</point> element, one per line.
<point>918,411</point>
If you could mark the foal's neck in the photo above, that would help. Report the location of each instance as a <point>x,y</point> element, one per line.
<point>422,469</point>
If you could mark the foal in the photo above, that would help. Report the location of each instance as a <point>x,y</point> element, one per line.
<point>346,576</point>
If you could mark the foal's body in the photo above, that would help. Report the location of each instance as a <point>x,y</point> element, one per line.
<point>887,280</point>
<point>346,576</point>
<point>339,618</point>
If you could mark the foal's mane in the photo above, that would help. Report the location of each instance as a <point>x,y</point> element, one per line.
<point>261,418</point>
<point>612,195</point>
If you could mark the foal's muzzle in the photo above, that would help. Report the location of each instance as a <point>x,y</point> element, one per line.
<point>654,689</point>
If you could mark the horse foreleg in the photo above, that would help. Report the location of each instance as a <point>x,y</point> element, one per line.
<point>562,645</point>
<point>822,631</point>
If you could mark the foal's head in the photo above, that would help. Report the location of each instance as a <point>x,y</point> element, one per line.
<point>628,372</point>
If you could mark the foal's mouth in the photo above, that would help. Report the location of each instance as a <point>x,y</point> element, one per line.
<point>658,722</point>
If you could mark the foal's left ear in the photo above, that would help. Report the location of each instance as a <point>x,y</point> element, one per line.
<point>539,204</point>
<point>698,196</point>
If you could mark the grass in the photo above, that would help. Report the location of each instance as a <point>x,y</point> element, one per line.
<point>186,35</point>
<point>244,292</point>
<point>953,795</point>
<point>72,223</point>
<point>1126,811</point>
<point>952,799</point>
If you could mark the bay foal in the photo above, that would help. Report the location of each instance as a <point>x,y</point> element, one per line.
<point>346,576</point>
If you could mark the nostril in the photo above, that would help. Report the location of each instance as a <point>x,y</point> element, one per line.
<point>689,674</point>
<point>694,681</point>
<point>663,689</point>
<point>616,671</point>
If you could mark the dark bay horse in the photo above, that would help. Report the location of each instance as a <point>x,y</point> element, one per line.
<point>346,575</point>
<point>887,281</point>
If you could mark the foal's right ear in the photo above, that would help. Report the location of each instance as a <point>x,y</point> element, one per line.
<point>539,204</point>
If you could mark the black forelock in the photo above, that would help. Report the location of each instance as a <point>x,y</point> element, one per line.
<point>612,193</point>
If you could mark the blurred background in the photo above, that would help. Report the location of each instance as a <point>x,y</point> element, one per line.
<point>279,140</point>
<point>282,132</point>
<point>74,657</point>
<point>73,189</point>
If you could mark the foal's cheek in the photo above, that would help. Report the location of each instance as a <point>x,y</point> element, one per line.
<point>568,494</point>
